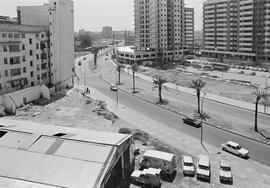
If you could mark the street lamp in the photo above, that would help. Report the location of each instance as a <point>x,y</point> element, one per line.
<point>202,114</point>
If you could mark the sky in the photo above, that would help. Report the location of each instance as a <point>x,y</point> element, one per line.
<point>92,15</point>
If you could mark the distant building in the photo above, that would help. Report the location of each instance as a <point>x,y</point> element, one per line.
<point>55,156</point>
<point>237,30</point>
<point>39,48</point>
<point>189,28</point>
<point>8,20</point>
<point>107,32</point>
<point>198,39</point>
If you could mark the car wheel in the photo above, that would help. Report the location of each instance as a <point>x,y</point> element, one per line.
<point>240,155</point>
<point>223,149</point>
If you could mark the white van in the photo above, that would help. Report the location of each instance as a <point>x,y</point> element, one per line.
<point>158,159</point>
<point>203,168</point>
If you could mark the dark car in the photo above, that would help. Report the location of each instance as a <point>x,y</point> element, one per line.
<point>192,121</point>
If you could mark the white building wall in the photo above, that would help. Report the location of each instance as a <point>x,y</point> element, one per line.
<point>33,15</point>
<point>62,41</point>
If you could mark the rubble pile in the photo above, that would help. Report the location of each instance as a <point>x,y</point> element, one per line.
<point>101,110</point>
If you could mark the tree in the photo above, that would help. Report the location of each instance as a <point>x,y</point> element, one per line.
<point>134,68</point>
<point>158,82</point>
<point>259,95</point>
<point>198,85</point>
<point>119,68</point>
<point>95,51</point>
<point>85,40</point>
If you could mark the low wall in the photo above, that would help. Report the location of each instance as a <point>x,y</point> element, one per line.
<point>16,99</point>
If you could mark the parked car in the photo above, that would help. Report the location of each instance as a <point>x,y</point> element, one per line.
<point>79,63</point>
<point>203,168</point>
<point>235,148</point>
<point>188,166</point>
<point>148,177</point>
<point>192,121</point>
<point>159,159</point>
<point>225,172</point>
<point>113,87</point>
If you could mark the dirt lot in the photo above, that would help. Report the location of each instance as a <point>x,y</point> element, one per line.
<point>72,109</point>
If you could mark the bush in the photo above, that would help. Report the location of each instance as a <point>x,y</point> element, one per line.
<point>124,130</point>
<point>241,72</point>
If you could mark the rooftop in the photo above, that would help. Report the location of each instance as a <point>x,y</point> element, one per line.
<point>159,154</point>
<point>53,155</point>
<point>126,49</point>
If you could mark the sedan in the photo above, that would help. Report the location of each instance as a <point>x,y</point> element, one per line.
<point>225,172</point>
<point>235,149</point>
<point>188,166</point>
<point>192,121</point>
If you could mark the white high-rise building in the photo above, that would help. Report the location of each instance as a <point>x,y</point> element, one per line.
<point>61,14</point>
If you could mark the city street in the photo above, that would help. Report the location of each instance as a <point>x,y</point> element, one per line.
<point>258,152</point>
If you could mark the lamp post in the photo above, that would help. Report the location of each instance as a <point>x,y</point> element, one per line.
<point>202,114</point>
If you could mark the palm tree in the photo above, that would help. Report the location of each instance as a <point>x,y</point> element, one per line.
<point>158,82</point>
<point>198,85</point>
<point>119,67</point>
<point>134,68</point>
<point>259,95</point>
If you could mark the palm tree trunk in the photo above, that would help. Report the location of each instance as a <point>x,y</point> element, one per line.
<point>119,77</point>
<point>159,93</point>
<point>133,82</point>
<point>256,116</point>
<point>198,97</point>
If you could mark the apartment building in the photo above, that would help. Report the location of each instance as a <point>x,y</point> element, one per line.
<point>160,26</point>
<point>38,49</point>
<point>189,28</point>
<point>237,30</point>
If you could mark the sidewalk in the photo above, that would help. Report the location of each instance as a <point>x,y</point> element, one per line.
<point>247,173</point>
<point>216,98</point>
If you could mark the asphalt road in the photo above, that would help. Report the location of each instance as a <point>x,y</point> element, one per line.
<point>258,152</point>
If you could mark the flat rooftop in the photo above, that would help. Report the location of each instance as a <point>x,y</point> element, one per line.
<point>41,155</point>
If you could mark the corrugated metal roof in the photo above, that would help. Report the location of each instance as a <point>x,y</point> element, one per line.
<point>42,144</point>
<point>48,169</point>
<point>80,134</point>
<point>84,151</point>
<point>14,139</point>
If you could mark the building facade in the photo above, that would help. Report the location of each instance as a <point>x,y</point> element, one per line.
<point>237,30</point>
<point>189,28</point>
<point>38,49</point>
<point>160,31</point>
<point>107,32</point>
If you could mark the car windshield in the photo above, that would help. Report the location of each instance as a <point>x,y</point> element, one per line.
<point>188,164</point>
<point>225,168</point>
<point>203,167</point>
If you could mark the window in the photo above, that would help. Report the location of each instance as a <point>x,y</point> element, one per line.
<point>37,46</point>
<point>31,52</point>
<point>32,84</point>
<point>6,73</point>
<point>23,36</point>
<point>38,77</point>
<point>0,86</point>
<point>23,58</point>
<point>5,61</point>
<point>32,74</point>
<point>37,56</point>
<point>4,35</point>
<point>23,47</point>
<point>14,48</point>
<point>10,35</point>
<point>15,60</point>
<point>16,36</point>
<point>30,41</point>
<point>24,69</point>
<point>42,35</point>
<point>5,49</point>
<point>15,72</point>
<point>31,63</point>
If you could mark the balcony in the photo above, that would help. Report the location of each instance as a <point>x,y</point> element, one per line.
<point>44,56</point>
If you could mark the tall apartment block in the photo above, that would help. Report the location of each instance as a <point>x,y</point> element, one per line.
<point>237,30</point>
<point>189,27</point>
<point>39,48</point>
<point>107,32</point>
<point>160,26</point>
